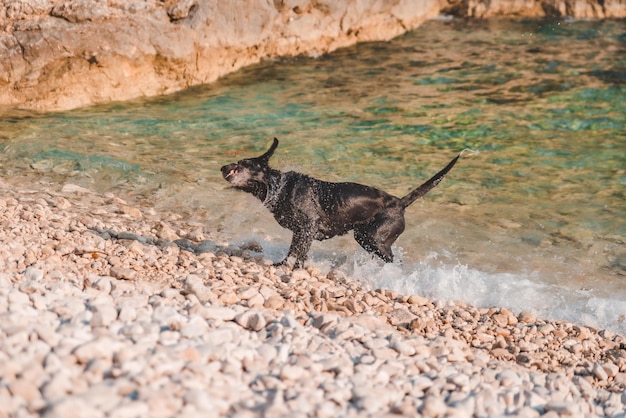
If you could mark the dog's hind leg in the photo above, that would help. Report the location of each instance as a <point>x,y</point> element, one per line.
<point>378,236</point>
<point>363,237</point>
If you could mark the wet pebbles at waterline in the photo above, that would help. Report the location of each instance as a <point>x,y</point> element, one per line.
<point>112,310</point>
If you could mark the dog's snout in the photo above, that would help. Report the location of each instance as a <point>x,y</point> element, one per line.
<point>228,170</point>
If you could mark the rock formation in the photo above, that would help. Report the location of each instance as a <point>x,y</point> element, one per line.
<point>62,54</point>
<point>579,9</point>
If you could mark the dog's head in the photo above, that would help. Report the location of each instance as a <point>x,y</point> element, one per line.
<point>250,174</point>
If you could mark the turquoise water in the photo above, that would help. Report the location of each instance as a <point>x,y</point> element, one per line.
<point>533,219</point>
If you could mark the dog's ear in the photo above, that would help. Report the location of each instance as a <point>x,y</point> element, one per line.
<point>268,154</point>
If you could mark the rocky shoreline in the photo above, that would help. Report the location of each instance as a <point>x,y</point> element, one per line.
<point>109,309</point>
<point>63,54</point>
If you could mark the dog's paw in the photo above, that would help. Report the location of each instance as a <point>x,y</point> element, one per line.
<point>290,263</point>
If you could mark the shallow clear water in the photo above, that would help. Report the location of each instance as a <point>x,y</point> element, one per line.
<point>534,219</point>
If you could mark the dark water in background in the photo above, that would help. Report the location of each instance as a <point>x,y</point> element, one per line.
<point>534,220</point>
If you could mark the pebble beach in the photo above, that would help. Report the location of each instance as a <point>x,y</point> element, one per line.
<point>110,309</point>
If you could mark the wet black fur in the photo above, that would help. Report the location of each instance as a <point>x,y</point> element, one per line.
<point>316,209</point>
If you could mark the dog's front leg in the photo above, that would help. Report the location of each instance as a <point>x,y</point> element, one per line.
<point>300,245</point>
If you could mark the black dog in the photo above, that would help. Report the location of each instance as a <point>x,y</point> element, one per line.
<point>316,209</point>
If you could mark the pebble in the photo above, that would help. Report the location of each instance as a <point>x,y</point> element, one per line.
<point>599,372</point>
<point>123,273</point>
<point>195,285</point>
<point>434,406</point>
<point>222,313</point>
<point>72,407</point>
<point>128,328</point>
<point>97,348</point>
<point>251,320</point>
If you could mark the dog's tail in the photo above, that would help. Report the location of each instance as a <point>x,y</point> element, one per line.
<point>427,186</point>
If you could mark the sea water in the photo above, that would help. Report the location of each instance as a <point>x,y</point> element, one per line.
<point>532,218</point>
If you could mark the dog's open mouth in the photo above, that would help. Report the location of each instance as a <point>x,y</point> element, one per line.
<point>231,173</point>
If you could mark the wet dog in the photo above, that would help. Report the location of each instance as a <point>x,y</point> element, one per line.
<point>316,209</point>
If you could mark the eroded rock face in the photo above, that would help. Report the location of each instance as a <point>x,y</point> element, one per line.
<point>62,54</point>
<point>580,9</point>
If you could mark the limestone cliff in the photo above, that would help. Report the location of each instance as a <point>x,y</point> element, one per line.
<point>62,54</point>
<point>580,9</point>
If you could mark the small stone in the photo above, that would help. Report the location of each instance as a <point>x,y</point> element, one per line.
<point>98,348</point>
<point>47,334</point>
<point>73,188</point>
<point>527,412</point>
<point>103,315</point>
<point>251,320</point>
<point>372,323</point>
<point>611,369</point>
<point>300,275</point>
<point>131,212</point>
<point>130,410</point>
<point>33,274</point>
<point>195,328</point>
<point>182,9</point>
<point>324,320</point>
<point>168,338</point>
<point>599,372</point>
<point>371,400</point>
<point>274,302</point>
<point>195,235</point>
<point>103,284</point>
<point>25,389</point>
<point>561,408</point>
<point>292,372</point>
<point>228,298</point>
<point>401,316</point>
<point>546,329</point>
<point>461,380</point>
<point>206,251</point>
<point>16,297</point>
<point>255,301</point>
<point>620,379</point>
<point>127,314</point>
<point>164,231</point>
<point>434,406</point>
<point>72,407</point>
<point>136,238</point>
<point>248,292</point>
<point>163,404</point>
<point>508,378</point>
<point>123,273</point>
<point>59,202</point>
<point>501,320</point>
<point>219,312</point>
<point>195,285</point>
<point>336,276</point>
<point>526,317</point>
<point>418,300</point>
<point>403,348</point>
<point>60,384</point>
<point>102,396</point>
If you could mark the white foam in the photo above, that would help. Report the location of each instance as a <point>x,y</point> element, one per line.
<point>515,291</point>
<point>444,281</point>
